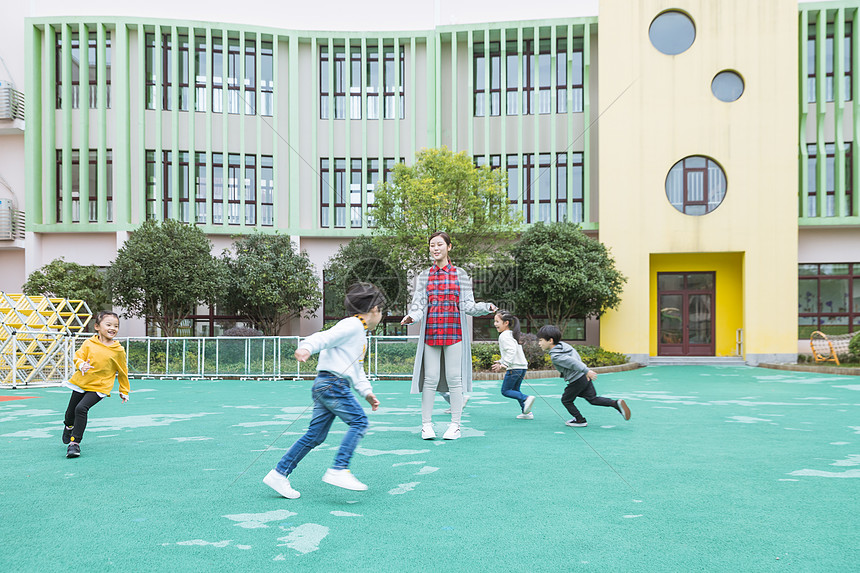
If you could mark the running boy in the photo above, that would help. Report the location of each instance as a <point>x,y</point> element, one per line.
<point>341,365</point>
<point>98,362</point>
<point>577,375</point>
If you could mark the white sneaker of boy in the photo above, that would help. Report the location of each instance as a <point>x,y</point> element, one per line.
<point>527,406</point>
<point>624,409</point>
<point>427,432</point>
<point>453,432</point>
<point>344,479</point>
<point>528,416</point>
<point>279,482</point>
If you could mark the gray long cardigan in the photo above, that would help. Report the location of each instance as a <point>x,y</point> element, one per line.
<point>467,306</point>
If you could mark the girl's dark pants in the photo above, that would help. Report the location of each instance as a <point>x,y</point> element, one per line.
<point>583,387</point>
<point>76,414</point>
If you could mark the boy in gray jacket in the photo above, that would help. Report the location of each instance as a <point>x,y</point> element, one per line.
<point>577,375</point>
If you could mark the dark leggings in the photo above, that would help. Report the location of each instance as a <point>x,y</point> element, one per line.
<point>76,414</point>
<point>583,387</point>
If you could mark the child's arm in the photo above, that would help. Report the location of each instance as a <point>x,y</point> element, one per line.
<point>82,357</point>
<point>122,375</point>
<point>467,299</point>
<point>570,364</point>
<point>334,336</point>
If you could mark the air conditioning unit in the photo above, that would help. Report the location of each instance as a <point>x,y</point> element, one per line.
<point>11,102</point>
<point>11,221</point>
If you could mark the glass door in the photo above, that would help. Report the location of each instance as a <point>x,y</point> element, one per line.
<point>685,325</point>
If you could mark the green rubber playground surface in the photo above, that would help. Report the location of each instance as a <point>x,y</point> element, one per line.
<point>719,469</point>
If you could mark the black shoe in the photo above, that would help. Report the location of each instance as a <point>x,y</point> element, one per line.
<point>67,435</point>
<point>576,423</point>
<point>73,451</point>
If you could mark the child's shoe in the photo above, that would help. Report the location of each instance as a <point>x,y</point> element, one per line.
<point>281,484</point>
<point>427,432</point>
<point>452,433</point>
<point>344,479</point>
<point>576,423</point>
<point>527,406</point>
<point>528,416</point>
<point>622,407</point>
<point>67,434</point>
<point>74,450</point>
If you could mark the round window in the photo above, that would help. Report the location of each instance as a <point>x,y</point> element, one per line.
<point>672,32</point>
<point>727,86</point>
<point>696,185</point>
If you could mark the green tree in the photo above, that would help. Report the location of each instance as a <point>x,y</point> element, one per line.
<point>63,279</point>
<point>444,191</point>
<point>164,271</point>
<point>269,282</point>
<point>364,259</point>
<point>562,274</point>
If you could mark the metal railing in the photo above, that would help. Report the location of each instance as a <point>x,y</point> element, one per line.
<point>260,357</point>
<point>11,103</point>
<point>11,223</point>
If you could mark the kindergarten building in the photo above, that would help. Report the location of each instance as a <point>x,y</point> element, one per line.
<point>708,143</point>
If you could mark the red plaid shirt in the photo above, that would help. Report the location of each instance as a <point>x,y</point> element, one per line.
<point>443,307</point>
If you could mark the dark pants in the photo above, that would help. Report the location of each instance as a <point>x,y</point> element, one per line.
<point>76,413</point>
<point>583,387</point>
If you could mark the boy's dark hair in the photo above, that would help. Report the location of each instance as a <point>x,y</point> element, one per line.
<point>550,332</point>
<point>103,313</point>
<point>362,297</point>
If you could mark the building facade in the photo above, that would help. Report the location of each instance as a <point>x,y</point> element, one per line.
<point>619,118</point>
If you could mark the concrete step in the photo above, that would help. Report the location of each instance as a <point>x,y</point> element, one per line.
<point>696,361</point>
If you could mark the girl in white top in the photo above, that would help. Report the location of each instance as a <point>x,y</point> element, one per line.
<point>513,361</point>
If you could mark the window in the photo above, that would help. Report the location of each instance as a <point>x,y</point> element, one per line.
<point>167,68</point>
<point>250,77</point>
<point>267,191</point>
<point>528,77</point>
<point>495,91</point>
<point>696,185</point>
<point>151,184</point>
<point>200,73</point>
<point>332,182</point>
<point>233,67</point>
<point>217,188</point>
<point>325,71</point>
<point>544,79</point>
<point>250,190</point>
<point>92,69</point>
<point>217,74</point>
<point>561,80</point>
<point>828,298</point>
<point>93,181</point>
<point>514,181</point>
<point>167,185</point>
<point>672,32</point>
<point>267,80</point>
<point>576,197</point>
<point>512,59</point>
<point>561,187</point>
<point>830,179</point>
<point>392,90</point>
<point>76,70</point>
<point>829,62</point>
<point>200,188</point>
<point>184,88</point>
<point>355,193</point>
<point>151,71</point>
<point>93,62</point>
<point>373,83</point>
<point>184,191</point>
<point>234,170</point>
<point>355,83</point>
<point>76,187</point>
<point>339,82</point>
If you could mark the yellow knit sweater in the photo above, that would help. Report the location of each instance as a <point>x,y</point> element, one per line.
<point>107,361</point>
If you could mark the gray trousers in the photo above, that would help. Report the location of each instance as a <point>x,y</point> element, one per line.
<point>453,375</point>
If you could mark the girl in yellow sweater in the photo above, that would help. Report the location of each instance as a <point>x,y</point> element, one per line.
<point>98,362</point>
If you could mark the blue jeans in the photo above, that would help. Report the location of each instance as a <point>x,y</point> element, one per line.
<point>333,397</point>
<point>511,385</point>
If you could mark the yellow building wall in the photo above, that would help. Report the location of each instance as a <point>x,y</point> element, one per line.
<point>728,302</point>
<point>657,109</point>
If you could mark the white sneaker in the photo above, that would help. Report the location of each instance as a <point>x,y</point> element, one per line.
<point>527,407</point>
<point>452,433</point>
<point>279,482</point>
<point>427,432</point>
<point>344,479</point>
<point>528,416</point>
<point>448,411</point>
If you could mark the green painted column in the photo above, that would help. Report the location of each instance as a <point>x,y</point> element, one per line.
<point>33,118</point>
<point>84,119</point>
<point>101,100</point>
<point>121,105</point>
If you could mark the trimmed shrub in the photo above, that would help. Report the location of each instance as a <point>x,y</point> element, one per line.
<point>854,348</point>
<point>242,331</point>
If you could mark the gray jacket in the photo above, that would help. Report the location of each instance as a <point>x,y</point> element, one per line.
<point>567,361</point>
<point>467,306</point>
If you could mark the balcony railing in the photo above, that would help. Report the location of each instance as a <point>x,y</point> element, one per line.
<point>11,223</point>
<point>11,103</point>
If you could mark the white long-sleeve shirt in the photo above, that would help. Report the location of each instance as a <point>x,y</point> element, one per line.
<point>513,357</point>
<point>342,349</point>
